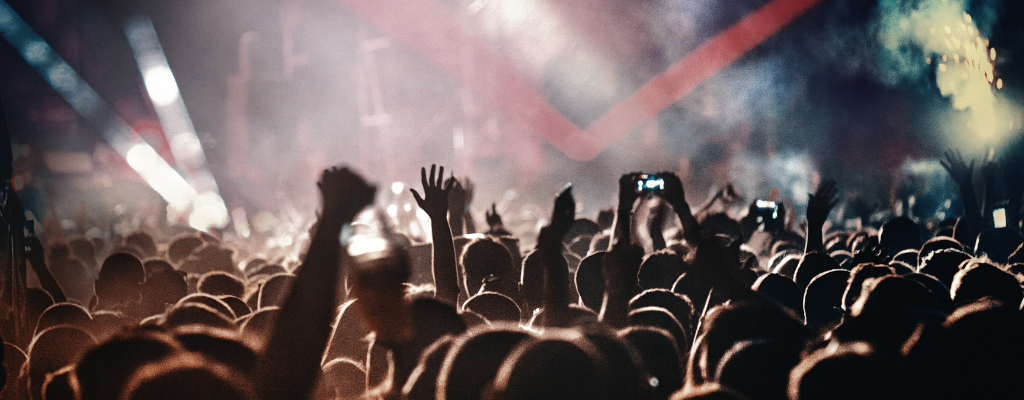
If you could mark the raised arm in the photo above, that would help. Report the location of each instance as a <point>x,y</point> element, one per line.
<point>819,205</point>
<point>435,203</point>
<point>622,262</point>
<point>676,196</point>
<point>46,279</point>
<point>290,362</point>
<point>962,174</point>
<point>549,244</point>
<point>622,227</point>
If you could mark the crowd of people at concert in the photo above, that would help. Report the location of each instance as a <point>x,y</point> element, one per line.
<point>683,303</point>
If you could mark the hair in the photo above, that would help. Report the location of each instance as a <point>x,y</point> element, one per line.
<point>494,307</point>
<point>51,350</point>
<point>660,269</point>
<point>482,258</point>
<point>980,280</point>
<point>678,304</point>
<point>473,361</point>
<point>781,290</point>
<point>560,366</point>
<point>823,299</point>
<point>105,369</point>
<point>858,275</point>
<point>812,265</point>
<point>190,376</point>
<point>659,355</point>
<point>590,280</point>
<point>221,283</point>
<point>850,371</point>
<point>935,244</point>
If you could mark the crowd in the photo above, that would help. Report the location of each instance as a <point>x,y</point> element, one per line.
<point>680,304</point>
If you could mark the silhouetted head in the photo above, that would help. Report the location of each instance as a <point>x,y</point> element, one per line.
<point>590,280</point>
<point>219,283</point>
<point>494,307</point>
<point>238,307</point>
<point>787,266</point>
<point>907,257</point>
<point>257,326</point>
<point>142,243</point>
<point>482,258</point>
<point>422,383</point>
<point>474,359</point>
<point>935,244</point>
<point>188,376</point>
<point>83,249</point>
<point>182,247</point>
<point>720,223</point>
<point>51,350</point>
<point>660,358</point>
<point>627,377</point>
<point>678,304</point>
<point>812,265</point>
<point>105,369</point>
<point>899,234</point>
<point>979,280</point>
<point>223,346</point>
<point>659,317</point>
<point>185,314</point>
<point>856,280</point>
<point>723,326</point>
<point>939,290</point>
<point>120,280</point>
<point>163,288</point>
<point>851,371</point>
<point>823,299</point>
<point>998,243</point>
<point>660,270</point>
<point>559,366</point>
<point>274,291</point>
<point>758,369</point>
<point>64,314</point>
<point>156,266</point>
<point>782,290</point>
<point>943,264</point>
<point>892,295</point>
<point>61,384</point>
<point>217,304</point>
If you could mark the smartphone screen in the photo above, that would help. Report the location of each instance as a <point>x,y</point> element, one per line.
<point>999,217</point>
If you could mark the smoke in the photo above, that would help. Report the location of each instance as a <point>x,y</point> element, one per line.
<point>940,37</point>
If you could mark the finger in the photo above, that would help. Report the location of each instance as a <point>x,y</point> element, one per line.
<point>440,175</point>
<point>423,177</point>
<point>433,169</point>
<point>448,184</point>
<point>416,196</point>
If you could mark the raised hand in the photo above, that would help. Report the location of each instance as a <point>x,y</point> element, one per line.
<point>960,171</point>
<point>673,192</point>
<point>963,173</point>
<point>435,197</point>
<point>344,193</point>
<point>492,217</point>
<point>676,196</point>
<point>821,203</point>
<point>549,246</point>
<point>563,215</point>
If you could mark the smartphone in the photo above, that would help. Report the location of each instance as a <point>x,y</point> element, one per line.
<point>999,217</point>
<point>767,210</point>
<point>649,183</point>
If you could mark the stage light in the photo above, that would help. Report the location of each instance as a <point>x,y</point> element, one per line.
<point>153,169</point>
<point>209,209</point>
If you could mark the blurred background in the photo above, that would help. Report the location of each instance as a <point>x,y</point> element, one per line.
<point>220,114</point>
